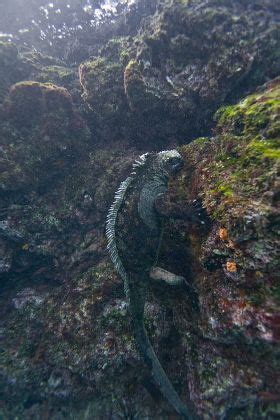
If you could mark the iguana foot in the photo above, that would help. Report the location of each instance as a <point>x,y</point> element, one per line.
<point>159,274</point>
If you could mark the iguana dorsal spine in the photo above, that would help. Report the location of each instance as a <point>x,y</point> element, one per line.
<point>112,217</point>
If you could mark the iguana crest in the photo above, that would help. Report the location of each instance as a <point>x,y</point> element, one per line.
<point>113,213</point>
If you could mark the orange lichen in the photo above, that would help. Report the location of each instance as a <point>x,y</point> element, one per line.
<point>231,266</point>
<point>223,234</point>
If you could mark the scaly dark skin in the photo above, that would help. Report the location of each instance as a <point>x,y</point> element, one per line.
<point>133,232</point>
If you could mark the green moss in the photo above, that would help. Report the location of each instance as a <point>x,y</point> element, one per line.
<point>36,59</point>
<point>245,160</point>
<point>265,148</point>
<point>255,113</point>
<point>200,141</point>
<point>228,116</point>
<point>238,164</point>
<point>226,190</point>
<point>56,74</point>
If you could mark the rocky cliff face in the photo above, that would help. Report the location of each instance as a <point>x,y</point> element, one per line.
<point>235,261</point>
<point>186,61</point>
<point>66,349</point>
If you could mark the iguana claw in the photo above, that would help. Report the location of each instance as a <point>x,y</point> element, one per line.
<point>159,274</point>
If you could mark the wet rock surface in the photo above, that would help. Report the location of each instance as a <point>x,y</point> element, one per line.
<point>66,349</point>
<point>234,174</point>
<point>187,60</point>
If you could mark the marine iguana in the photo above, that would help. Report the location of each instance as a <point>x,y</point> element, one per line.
<point>133,231</point>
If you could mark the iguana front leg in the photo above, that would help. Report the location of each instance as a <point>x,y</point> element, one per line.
<point>192,214</point>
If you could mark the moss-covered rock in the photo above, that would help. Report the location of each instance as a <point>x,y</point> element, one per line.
<point>102,82</point>
<point>41,130</point>
<point>46,69</point>
<point>59,75</point>
<point>16,66</point>
<point>141,97</point>
<point>187,60</point>
<point>187,49</point>
<point>236,255</point>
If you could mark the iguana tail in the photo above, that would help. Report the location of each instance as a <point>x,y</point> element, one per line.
<point>157,371</point>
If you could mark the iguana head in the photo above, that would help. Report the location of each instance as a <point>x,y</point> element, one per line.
<point>169,161</point>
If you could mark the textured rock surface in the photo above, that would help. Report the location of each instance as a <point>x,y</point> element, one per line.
<point>16,66</point>
<point>192,56</point>
<point>66,349</point>
<point>70,345</point>
<point>235,175</point>
<point>43,139</point>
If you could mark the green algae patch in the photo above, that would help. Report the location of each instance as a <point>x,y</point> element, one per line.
<point>241,160</point>
<point>265,148</point>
